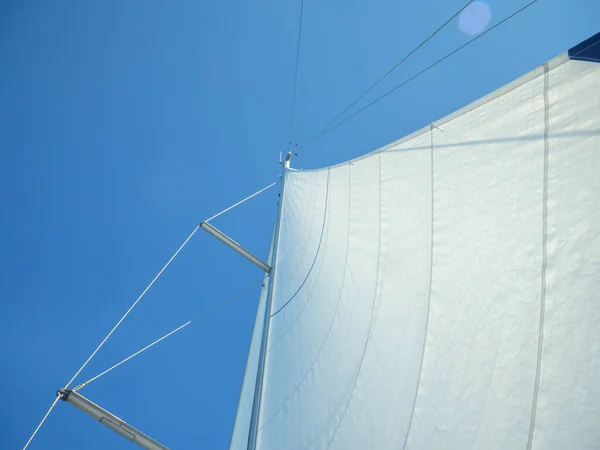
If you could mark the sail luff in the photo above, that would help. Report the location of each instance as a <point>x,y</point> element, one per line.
<point>239,436</point>
<point>455,253</point>
<point>256,404</point>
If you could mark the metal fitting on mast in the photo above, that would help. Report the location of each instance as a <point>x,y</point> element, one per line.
<point>288,158</point>
<point>109,420</point>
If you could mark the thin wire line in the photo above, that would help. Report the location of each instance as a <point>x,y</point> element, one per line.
<point>242,201</point>
<point>205,312</point>
<point>42,422</point>
<point>296,72</point>
<point>132,306</point>
<point>421,72</point>
<point>325,214</point>
<point>154,280</point>
<point>132,356</point>
<point>361,96</point>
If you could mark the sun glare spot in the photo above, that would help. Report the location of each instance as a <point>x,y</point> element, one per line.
<point>475,18</point>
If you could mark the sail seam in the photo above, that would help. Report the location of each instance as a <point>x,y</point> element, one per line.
<point>337,307</point>
<point>362,359</point>
<point>412,412</point>
<point>544,258</point>
<point>316,254</point>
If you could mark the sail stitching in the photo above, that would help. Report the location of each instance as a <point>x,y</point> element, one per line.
<point>362,359</point>
<point>316,254</point>
<point>412,412</point>
<point>337,307</point>
<point>544,258</point>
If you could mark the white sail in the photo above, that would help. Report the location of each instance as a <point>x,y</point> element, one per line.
<point>443,292</point>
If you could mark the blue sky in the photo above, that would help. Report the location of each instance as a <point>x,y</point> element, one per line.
<point>124,124</point>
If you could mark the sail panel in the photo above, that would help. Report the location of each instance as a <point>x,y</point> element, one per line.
<point>569,399</point>
<point>477,382</point>
<point>241,428</point>
<point>442,292</point>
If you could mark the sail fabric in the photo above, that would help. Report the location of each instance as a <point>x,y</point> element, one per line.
<point>239,437</point>
<point>443,291</point>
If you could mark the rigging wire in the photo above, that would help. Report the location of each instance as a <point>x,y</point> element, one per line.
<point>384,76</point>
<point>420,73</point>
<point>242,201</point>
<point>131,307</point>
<point>42,422</point>
<point>156,278</point>
<point>296,72</point>
<point>207,311</point>
<point>136,302</point>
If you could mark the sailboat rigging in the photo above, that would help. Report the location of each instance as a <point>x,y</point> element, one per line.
<point>423,295</point>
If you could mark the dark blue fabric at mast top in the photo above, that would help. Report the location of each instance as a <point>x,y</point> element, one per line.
<point>588,50</point>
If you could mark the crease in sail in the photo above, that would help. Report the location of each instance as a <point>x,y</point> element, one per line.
<point>308,292</point>
<point>298,233</point>
<point>329,329</point>
<point>280,308</point>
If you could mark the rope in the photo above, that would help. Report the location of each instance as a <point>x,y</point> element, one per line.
<point>132,356</point>
<point>154,280</point>
<point>324,130</point>
<point>205,312</point>
<point>242,201</point>
<point>41,423</point>
<point>421,72</point>
<point>132,306</point>
<point>296,73</point>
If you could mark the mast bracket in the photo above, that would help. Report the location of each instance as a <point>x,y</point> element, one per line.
<point>286,162</point>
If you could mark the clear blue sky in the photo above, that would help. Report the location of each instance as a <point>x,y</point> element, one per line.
<point>124,124</point>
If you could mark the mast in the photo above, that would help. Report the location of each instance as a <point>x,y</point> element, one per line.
<point>255,414</point>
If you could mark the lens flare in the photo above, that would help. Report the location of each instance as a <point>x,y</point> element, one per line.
<point>475,18</point>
